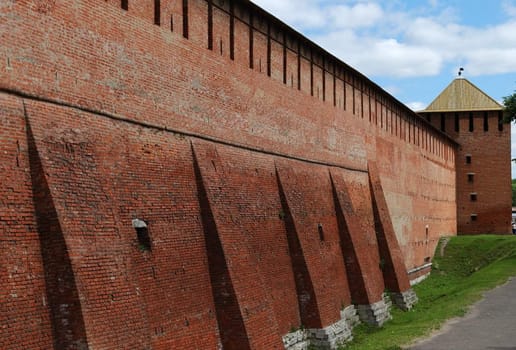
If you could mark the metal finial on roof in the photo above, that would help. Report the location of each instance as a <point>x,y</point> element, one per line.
<point>460,71</point>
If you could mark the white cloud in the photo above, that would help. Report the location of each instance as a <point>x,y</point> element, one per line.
<point>357,16</point>
<point>509,7</point>
<point>416,106</point>
<point>391,89</point>
<point>383,57</point>
<point>301,14</point>
<point>495,61</point>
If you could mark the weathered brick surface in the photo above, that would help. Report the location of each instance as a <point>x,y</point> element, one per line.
<point>357,236</point>
<point>24,313</point>
<point>310,208</point>
<point>420,193</point>
<point>60,280</point>
<point>115,101</point>
<point>102,178</point>
<point>391,259</point>
<point>250,232</point>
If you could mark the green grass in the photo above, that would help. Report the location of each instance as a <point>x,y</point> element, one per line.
<point>470,266</point>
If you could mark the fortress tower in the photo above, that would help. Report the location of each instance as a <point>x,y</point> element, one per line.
<point>475,121</point>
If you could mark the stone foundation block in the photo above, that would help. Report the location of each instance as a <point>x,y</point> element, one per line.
<point>375,314</point>
<point>297,340</point>
<point>328,338</point>
<point>350,315</point>
<point>405,300</point>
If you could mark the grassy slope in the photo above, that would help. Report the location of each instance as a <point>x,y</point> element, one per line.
<point>470,266</point>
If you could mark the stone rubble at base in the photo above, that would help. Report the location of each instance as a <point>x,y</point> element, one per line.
<point>375,314</point>
<point>405,300</point>
<point>324,338</point>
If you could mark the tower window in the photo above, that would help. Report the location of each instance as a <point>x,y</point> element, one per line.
<point>468,159</point>
<point>486,121</point>
<point>471,125</point>
<point>500,121</point>
<point>471,177</point>
<point>456,122</point>
<point>443,122</point>
<point>474,217</point>
<point>473,197</point>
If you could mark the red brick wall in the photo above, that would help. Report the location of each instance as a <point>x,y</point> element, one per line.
<point>356,224</point>
<point>114,101</point>
<point>100,179</point>
<point>424,187</point>
<point>309,203</point>
<point>391,258</point>
<point>253,241</point>
<point>420,192</point>
<point>24,314</point>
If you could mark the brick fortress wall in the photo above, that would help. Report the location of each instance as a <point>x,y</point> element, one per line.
<point>244,147</point>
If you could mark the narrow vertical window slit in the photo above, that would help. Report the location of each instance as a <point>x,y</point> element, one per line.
<point>334,86</point>
<point>323,79</point>
<point>362,100</point>
<point>284,58</point>
<point>269,70</point>
<point>344,91</point>
<point>157,12</point>
<point>353,90</point>
<point>231,30</point>
<point>210,25</point>
<point>185,19</point>
<point>311,73</point>
<point>251,41</point>
<point>299,66</point>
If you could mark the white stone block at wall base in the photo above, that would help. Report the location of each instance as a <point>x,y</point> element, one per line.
<point>405,300</point>
<point>297,340</point>
<point>374,314</point>
<point>350,315</point>
<point>419,279</point>
<point>328,338</point>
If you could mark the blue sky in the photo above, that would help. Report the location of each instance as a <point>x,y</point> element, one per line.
<point>413,49</point>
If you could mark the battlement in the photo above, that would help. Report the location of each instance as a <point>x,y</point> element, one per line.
<point>246,34</point>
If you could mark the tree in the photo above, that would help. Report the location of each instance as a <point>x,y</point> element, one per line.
<point>509,103</point>
<point>509,111</point>
<point>514,192</point>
